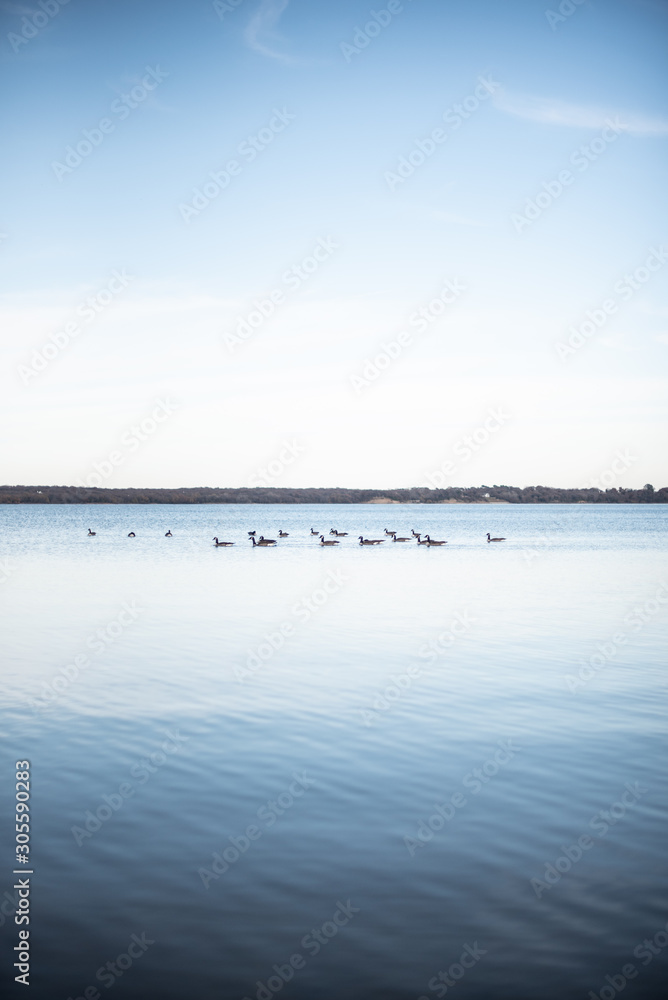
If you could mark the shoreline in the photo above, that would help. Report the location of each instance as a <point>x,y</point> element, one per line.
<point>268,495</point>
<point>327,503</point>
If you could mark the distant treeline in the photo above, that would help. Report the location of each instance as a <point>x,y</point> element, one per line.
<point>261,494</point>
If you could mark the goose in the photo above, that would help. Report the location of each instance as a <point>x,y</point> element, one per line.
<point>283,534</point>
<point>395,539</point>
<point>263,542</point>
<point>132,535</point>
<point>494,539</point>
<point>389,532</point>
<point>168,534</point>
<point>371,541</point>
<point>314,532</point>
<point>251,533</point>
<point>414,533</point>
<point>432,541</point>
<point>220,545</point>
<point>92,532</point>
<point>421,541</point>
<point>329,541</point>
<point>339,534</point>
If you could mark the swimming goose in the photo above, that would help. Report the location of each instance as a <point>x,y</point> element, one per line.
<point>168,534</point>
<point>371,541</point>
<point>220,545</point>
<point>132,535</point>
<point>263,541</point>
<point>92,532</point>
<point>414,533</point>
<point>329,541</point>
<point>314,532</point>
<point>389,532</point>
<point>421,541</point>
<point>432,541</point>
<point>494,539</point>
<point>395,539</point>
<point>339,534</point>
<point>283,534</point>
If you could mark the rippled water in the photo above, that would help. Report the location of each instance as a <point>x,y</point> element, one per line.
<point>378,747</point>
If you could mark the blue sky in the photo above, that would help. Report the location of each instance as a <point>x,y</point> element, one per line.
<point>578,95</point>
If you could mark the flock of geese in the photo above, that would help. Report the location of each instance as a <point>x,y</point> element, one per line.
<point>263,542</point>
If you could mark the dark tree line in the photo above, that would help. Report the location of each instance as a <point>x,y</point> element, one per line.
<point>262,494</point>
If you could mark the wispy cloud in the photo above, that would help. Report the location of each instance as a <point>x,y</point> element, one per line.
<point>259,32</point>
<point>553,112</point>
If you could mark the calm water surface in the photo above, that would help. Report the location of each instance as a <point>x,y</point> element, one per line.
<point>354,758</point>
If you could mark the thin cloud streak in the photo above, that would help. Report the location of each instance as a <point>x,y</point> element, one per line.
<point>263,21</point>
<point>553,112</point>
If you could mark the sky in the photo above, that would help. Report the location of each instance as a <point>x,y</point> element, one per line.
<point>290,243</point>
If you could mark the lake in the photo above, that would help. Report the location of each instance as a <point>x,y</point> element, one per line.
<point>370,772</point>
